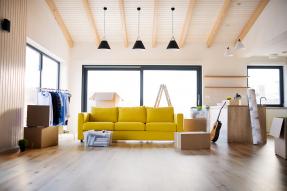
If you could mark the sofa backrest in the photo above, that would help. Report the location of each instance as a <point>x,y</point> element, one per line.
<point>160,114</point>
<point>132,114</point>
<point>104,114</point>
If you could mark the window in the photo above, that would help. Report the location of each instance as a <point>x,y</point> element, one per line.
<point>50,78</point>
<point>139,85</point>
<point>181,86</point>
<point>32,77</point>
<point>125,83</point>
<point>42,71</point>
<point>267,82</point>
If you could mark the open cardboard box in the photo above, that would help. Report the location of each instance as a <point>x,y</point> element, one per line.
<point>106,99</point>
<point>279,132</point>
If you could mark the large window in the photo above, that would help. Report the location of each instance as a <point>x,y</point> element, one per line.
<point>181,86</point>
<point>50,73</point>
<point>42,71</point>
<point>139,85</point>
<point>125,83</point>
<point>267,82</point>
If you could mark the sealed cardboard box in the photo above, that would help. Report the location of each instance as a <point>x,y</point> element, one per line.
<point>38,115</point>
<point>279,132</point>
<point>192,140</point>
<point>196,124</point>
<point>41,137</point>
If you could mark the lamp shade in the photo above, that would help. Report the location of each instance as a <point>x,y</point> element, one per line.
<point>239,45</point>
<point>138,45</point>
<point>104,45</point>
<point>172,45</point>
<point>228,52</point>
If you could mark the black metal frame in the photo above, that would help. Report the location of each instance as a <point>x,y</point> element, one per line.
<point>141,68</point>
<point>281,81</point>
<point>41,64</point>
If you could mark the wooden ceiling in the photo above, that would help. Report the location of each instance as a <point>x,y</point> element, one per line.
<point>204,21</point>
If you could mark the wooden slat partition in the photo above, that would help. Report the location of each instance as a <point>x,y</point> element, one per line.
<point>12,72</point>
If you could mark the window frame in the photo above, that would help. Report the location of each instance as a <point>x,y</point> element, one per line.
<point>281,82</point>
<point>41,64</point>
<point>141,68</point>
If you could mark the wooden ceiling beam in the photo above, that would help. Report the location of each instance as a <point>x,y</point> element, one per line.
<point>124,23</point>
<point>186,24</point>
<point>155,23</point>
<point>53,8</point>
<point>218,22</point>
<point>92,20</point>
<point>248,25</point>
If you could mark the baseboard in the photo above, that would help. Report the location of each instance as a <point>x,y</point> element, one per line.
<point>9,150</point>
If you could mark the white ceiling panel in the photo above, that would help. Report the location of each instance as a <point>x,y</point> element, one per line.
<point>203,17</point>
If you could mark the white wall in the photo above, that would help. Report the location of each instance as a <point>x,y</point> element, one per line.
<point>12,70</point>
<point>212,61</point>
<point>44,33</point>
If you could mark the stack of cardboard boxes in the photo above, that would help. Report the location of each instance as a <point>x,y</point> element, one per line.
<point>38,132</point>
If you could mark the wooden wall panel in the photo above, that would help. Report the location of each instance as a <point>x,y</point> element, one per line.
<point>12,72</point>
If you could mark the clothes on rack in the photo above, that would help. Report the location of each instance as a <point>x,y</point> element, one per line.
<point>56,102</point>
<point>59,105</point>
<point>45,98</point>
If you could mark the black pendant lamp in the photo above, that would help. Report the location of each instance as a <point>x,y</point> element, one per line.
<point>139,44</point>
<point>104,43</point>
<point>172,43</point>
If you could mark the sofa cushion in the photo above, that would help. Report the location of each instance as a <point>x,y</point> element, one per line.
<point>161,126</point>
<point>160,114</point>
<point>104,114</point>
<point>129,126</point>
<point>132,114</point>
<point>98,126</point>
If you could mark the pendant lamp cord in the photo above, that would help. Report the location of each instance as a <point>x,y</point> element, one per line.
<point>105,23</point>
<point>172,9</point>
<point>138,38</point>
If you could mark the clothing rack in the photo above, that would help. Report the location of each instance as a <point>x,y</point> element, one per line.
<point>54,90</point>
<point>58,101</point>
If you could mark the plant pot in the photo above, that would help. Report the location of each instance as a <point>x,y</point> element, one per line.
<point>22,148</point>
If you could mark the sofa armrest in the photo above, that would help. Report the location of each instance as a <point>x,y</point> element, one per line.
<point>82,118</point>
<point>178,119</point>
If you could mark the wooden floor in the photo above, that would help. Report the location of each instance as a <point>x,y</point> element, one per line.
<point>144,166</point>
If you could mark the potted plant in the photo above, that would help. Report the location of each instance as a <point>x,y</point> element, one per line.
<point>23,143</point>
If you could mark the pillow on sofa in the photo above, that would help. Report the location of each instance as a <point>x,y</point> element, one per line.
<point>104,114</point>
<point>132,114</point>
<point>160,114</point>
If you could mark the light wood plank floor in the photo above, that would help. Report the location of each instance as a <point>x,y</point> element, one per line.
<point>144,166</point>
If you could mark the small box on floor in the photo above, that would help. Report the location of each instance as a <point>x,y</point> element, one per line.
<point>41,137</point>
<point>279,132</point>
<point>192,140</point>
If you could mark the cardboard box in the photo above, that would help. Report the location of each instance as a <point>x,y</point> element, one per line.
<point>106,99</point>
<point>38,115</point>
<point>41,137</point>
<point>279,132</point>
<point>196,124</point>
<point>192,140</point>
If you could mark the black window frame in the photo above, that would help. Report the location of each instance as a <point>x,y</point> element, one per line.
<point>41,53</point>
<point>281,82</point>
<point>141,68</point>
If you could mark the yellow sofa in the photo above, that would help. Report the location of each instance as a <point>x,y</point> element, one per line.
<point>132,123</point>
